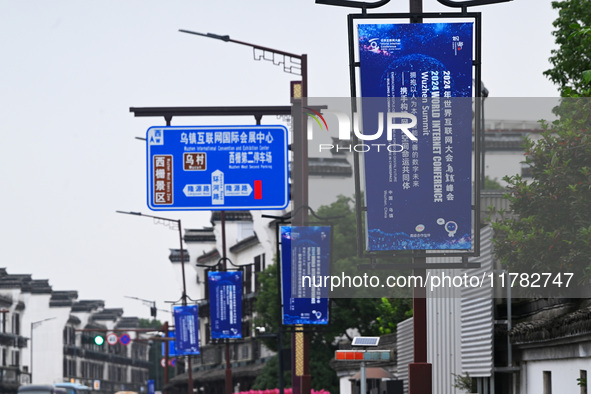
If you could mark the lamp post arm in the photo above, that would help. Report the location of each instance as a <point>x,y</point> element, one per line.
<point>227,38</point>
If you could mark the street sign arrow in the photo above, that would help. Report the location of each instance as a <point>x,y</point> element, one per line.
<point>238,189</point>
<point>197,190</point>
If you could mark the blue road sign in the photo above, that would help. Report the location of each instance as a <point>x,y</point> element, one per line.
<point>217,167</point>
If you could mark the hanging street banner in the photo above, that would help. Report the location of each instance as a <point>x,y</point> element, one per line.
<point>217,167</point>
<point>305,260</point>
<point>225,304</point>
<point>186,327</point>
<point>171,345</point>
<point>418,187</point>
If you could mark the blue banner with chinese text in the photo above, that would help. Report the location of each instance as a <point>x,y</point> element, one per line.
<point>419,185</point>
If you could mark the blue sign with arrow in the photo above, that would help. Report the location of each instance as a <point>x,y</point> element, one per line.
<point>217,167</point>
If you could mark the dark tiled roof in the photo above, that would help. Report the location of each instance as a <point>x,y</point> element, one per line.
<point>234,216</point>
<point>175,256</point>
<point>329,166</point>
<point>199,235</point>
<point>568,325</point>
<point>63,298</point>
<point>244,244</point>
<point>128,322</point>
<point>108,314</point>
<point>213,255</point>
<point>87,305</point>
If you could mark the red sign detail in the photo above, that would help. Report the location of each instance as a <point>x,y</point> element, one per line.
<point>258,190</point>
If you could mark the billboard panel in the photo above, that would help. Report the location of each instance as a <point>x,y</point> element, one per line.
<point>305,259</point>
<point>186,327</point>
<point>418,187</point>
<point>225,298</point>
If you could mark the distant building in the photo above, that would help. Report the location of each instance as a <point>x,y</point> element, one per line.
<point>47,337</point>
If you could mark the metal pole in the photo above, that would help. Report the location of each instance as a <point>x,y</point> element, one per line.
<point>166,353</point>
<point>363,381</point>
<point>228,374</point>
<point>280,306</point>
<point>420,379</point>
<point>301,379</point>
<point>31,352</point>
<point>189,366</point>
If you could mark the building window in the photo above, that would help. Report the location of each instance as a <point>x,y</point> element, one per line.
<point>583,381</point>
<point>3,321</point>
<point>16,324</point>
<point>245,352</point>
<point>247,279</point>
<point>245,230</point>
<point>246,329</point>
<point>16,358</point>
<point>69,368</point>
<point>69,336</point>
<point>259,266</point>
<point>547,382</point>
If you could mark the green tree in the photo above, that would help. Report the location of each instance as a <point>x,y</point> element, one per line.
<point>571,61</point>
<point>492,184</point>
<point>552,230</point>
<point>147,323</point>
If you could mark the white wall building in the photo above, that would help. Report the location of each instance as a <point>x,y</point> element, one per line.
<point>44,339</point>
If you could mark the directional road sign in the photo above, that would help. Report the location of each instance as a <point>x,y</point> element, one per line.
<point>217,167</point>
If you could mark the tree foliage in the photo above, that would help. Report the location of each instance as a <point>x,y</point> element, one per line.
<point>492,184</point>
<point>552,230</point>
<point>571,61</point>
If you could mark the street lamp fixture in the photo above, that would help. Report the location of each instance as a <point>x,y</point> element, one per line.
<point>292,63</point>
<point>34,325</point>
<point>184,296</point>
<point>298,65</point>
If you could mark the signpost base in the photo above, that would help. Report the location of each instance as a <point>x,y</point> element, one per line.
<point>420,378</point>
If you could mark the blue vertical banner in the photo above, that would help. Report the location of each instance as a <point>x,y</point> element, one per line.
<point>171,345</point>
<point>186,327</point>
<point>225,304</point>
<point>305,259</point>
<point>418,186</point>
<point>151,386</point>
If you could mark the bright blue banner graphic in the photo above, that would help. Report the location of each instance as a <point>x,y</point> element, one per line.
<point>418,185</point>
<point>171,346</point>
<point>217,167</point>
<point>225,304</point>
<point>186,327</point>
<point>305,259</point>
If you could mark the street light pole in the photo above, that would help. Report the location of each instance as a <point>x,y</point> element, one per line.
<point>300,339</point>
<point>33,326</point>
<point>184,295</point>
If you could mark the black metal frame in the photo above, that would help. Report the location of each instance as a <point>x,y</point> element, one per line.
<point>476,62</point>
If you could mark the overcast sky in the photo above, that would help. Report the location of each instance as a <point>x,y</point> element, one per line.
<point>71,69</point>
